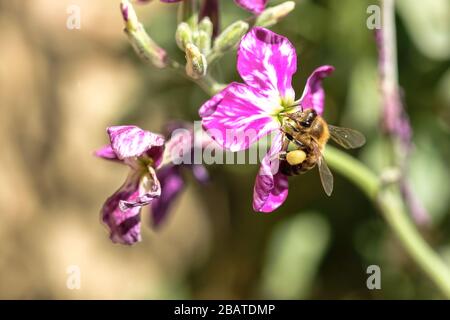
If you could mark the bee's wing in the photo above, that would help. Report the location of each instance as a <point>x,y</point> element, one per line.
<point>348,138</point>
<point>326,177</point>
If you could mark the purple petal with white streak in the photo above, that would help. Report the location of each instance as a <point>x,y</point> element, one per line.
<point>132,141</point>
<point>271,186</point>
<point>210,106</point>
<point>107,153</point>
<point>124,226</point>
<point>149,189</point>
<point>267,61</point>
<point>313,96</point>
<point>241,117</point>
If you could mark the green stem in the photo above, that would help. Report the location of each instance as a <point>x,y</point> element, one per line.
<point>393,210</point>
<point>354,170</point>
<point>207,83</point>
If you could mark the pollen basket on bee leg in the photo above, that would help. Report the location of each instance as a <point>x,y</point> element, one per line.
<point>295,157</point>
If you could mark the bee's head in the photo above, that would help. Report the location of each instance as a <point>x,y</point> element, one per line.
<point>307,117</point>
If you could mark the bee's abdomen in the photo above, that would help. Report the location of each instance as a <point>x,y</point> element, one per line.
<point>291,170</point>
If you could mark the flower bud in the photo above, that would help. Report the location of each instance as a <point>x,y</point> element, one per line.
<point>183,36</point>
<point>129,16</point>
<point>204,42</point>
<point>272,15</point>
<point>204,35</point>
<point>230,37</point>
<point>206,26</point>
<point>196,65</point>
<point>145,47</point>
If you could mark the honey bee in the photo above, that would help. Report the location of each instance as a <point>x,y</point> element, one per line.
<point>305,135</point>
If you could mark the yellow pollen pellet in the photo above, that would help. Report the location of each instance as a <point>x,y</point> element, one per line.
<point>295,157</point>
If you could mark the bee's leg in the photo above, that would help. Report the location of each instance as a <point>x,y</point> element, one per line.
<point>289,130</point>
<point>287,135</point>
<point>299,142</point>
<point>284,146</point>
<point>294,129</point>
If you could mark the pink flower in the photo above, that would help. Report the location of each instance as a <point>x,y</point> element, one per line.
<point>266,62</point>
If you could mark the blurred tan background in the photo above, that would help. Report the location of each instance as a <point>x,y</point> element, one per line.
<point>59,90</point>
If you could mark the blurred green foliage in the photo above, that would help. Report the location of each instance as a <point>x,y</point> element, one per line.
<point>296,248</point>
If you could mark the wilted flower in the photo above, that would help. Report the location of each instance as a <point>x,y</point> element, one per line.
<point>150,180</point>
<point>142,151</point>
<point>266,62</point>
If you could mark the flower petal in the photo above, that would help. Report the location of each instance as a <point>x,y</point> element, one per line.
<point>210,9</point>
<point>314,96</point>
<point>254,6</point>
<point>210,106</point>
<point>240,118</point>
<point>166,1</point>
<point>156,154</point>
<point>179,146</point>
<point>132,141</point>
<point>271,186</point>
<point>124,226</point>
<point>172,183</point>
<point>200,173</point>
<point>149,189</point>
<point>267,61</point>
<point>106,152</point>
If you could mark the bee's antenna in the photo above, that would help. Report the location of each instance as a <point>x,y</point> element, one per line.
<point>296,104</point>
<point>289,114</point>
<point>286,114</point>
